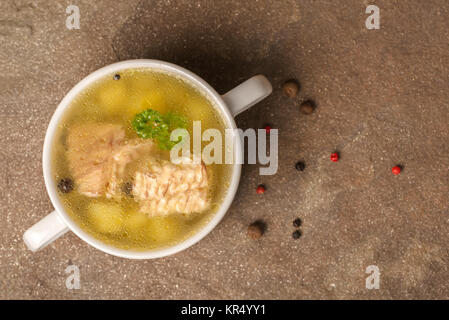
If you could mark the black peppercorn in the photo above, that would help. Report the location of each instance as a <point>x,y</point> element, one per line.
<point>127,188</point>
<point>65,185</point>
<point>296,234</point>
<point>297,222</point>
<point>116,76</point>
<point>300,166</point>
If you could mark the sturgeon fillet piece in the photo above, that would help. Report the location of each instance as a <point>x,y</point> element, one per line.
<point>166,188</point>
<point>97,157</point>
<point>120,159</point>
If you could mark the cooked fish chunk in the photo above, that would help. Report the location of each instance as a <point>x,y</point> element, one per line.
<point>97,157</point>
<point>194,200</point>
<point>89,150</point>
<point>165,188</point>
<point>120,159</point>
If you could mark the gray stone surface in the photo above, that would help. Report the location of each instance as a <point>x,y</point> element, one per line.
<point>382,100</point>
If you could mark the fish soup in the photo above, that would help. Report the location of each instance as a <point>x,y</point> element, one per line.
<point>113,169</point>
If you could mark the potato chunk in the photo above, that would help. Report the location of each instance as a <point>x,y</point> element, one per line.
<point>112,97</point>
<point>106,217</point>
<point>153,99</point>
<point>194,108</point>
<point>135,220</point>
<point>162,229</point>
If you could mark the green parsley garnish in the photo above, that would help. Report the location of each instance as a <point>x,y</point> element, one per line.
<point>151,124</point>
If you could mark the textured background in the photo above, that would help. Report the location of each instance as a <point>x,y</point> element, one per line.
<point>382,100</point>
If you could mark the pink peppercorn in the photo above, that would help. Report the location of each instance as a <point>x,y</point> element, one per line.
<point>260,189</point>
<point>334,157</point>
<point>396,170</point>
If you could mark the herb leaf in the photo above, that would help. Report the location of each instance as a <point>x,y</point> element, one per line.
<point>151,124</point>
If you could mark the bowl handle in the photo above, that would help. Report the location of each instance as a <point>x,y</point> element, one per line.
<point>44,232</point>
<point>247,94</point>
